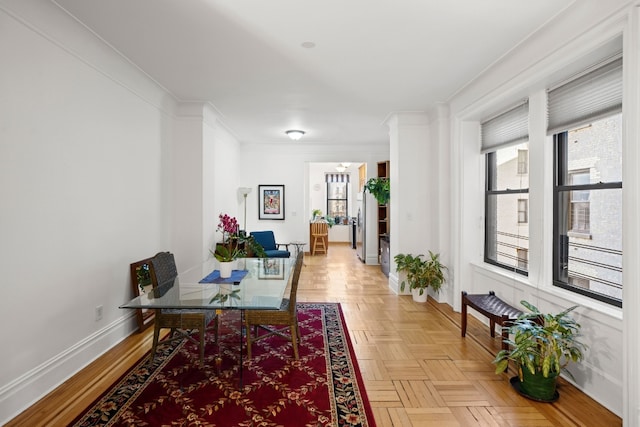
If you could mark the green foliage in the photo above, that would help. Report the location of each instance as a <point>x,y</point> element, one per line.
<point>229,251</point>
<point>380,188</point>
<point>223,297</point>
<point>542,343</point>
<point>421,273</point>
<point>237,246</point>
<point>251,246</point>
<point>143,275</point>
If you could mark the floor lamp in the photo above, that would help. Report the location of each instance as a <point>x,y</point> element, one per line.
<point>245,192</point>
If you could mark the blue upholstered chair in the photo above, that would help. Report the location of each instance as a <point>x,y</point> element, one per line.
<point>267,240</point>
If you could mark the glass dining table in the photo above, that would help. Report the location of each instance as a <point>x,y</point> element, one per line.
<point>255,284</point>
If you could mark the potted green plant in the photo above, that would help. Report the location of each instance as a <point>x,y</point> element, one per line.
<point>229,249</point>
<point>379,188</point>
<point>251,247</point>
<point>420,273</point>
<point>542,346</point>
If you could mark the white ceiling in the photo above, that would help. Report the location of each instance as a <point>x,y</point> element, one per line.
<point>371,57</point>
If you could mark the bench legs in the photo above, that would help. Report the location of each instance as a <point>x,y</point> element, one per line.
<point>463,328</point>
<point>502,320</point>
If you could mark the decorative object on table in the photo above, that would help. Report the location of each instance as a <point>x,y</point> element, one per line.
<point>230,249</point>
<point>316,214</point>
<point>226,267</point>
<point>323,387</point>
<point>379,188</point>
<point>270,248</point>
<point>215,277</point>
<point>420,273</point>
<point>542,347</point>
<point>271,201</point>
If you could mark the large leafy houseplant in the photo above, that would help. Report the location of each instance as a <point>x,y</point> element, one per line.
<point>421,273</point>
<point>542,346</point>
<point>380,188</point>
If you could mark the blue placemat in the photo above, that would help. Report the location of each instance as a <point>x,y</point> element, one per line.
<point>214,277</point>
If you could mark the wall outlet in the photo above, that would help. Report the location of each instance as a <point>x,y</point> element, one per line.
<point>98,313</point>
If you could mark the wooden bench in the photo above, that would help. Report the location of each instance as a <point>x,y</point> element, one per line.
<point>492,307</point>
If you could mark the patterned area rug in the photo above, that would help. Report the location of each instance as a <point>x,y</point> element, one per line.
<point>322,388</point>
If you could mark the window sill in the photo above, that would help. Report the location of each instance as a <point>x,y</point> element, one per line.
<point>522,282</point>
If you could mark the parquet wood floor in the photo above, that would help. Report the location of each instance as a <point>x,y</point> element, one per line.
<point>418,371</point>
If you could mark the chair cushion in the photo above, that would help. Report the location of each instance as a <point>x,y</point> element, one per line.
<point>277,253</point>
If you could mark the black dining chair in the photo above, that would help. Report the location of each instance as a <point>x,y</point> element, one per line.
<point>163,273</point>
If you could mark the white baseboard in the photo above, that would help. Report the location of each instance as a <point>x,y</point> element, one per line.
<point>27,389</point>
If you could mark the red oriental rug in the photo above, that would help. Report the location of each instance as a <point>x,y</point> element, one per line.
<point>323,388</point>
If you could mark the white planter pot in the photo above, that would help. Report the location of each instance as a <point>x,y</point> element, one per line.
<point>225,269</point>
<point>416,295</point>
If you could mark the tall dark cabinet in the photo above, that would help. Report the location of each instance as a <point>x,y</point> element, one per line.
<point>383,224</point>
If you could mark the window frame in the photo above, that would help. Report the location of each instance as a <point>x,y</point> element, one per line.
<point>490,160</point>
<point>345,200</point>
<point>560,258</point>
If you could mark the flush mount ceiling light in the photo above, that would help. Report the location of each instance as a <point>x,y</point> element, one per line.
<point>295,134</point>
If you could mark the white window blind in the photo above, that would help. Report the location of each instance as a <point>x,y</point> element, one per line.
<point>336,177</point>
<point>594,95</point>
<point>508,128</point>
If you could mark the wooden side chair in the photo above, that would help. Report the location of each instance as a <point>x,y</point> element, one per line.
<point>163,272</point>
<point>286,316</point>
<point>319,234</point>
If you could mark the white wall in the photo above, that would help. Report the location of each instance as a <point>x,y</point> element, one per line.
<point>289,164</point>
<point>318,195</point>
<point>83,137</point>
<point>414,179</point>
<point>578,38</point>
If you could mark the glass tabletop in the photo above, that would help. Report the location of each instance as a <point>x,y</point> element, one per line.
<point>262,283</point>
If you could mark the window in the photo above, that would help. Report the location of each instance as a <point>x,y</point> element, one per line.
<point>337,196</point>
<point>523,161</point>
<point>587,256</point>
<point>523,259</point>
<point>506,205</point>
<point>523,211</point>
<point>579,212</point>
<point>504,141</point>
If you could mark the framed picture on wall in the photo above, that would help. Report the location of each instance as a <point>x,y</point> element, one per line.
<point>271,201</point>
